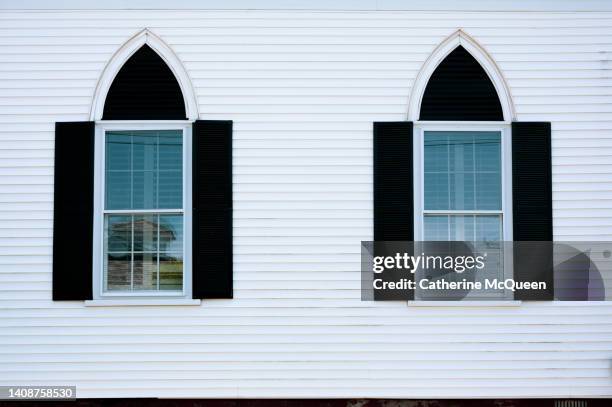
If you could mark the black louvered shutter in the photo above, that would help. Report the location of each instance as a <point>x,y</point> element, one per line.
<point>532,207</point>
<point>393,191</point>
<point>393,182</point>
<point>73,211</point>
<point>212,209</point>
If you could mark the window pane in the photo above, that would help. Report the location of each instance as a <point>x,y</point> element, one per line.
<point>145,233</point>
<point>144,184</point>
<point>462,170</point>
<point>488,191</point>
<point>436,151</point>
<point>463,227</point>
<point>118,233</point>
<point>118,189</point>
<point>436,190</point>
<point>170,189</point>
<point>144,169</point>
<point>144,145</point>
<point>488,228</point>
<point>118,152</point>
<point>436,227</point>
<point>171,233</point>
<point>170,271</point>
<point>117,271</point>
<point>145,271</point>
<point>170,151</point>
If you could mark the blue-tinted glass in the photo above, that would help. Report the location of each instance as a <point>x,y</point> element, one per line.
<point>170,152</point>
<point>461,151</point>
<point>436,190</point>
<point>170,189</point>
<point>488,228</point>
<point>144,190</point>
<point>118,151</point>
<point>488,152</point>
<point>463,227</point>
<point>436,227</point>
<point>461,190</point>
<point>436,152</point>
<point>462,170</point>
<point>487,195</point>
<point>145,151</point>
<point>144,169</point>
<point>118,190</point>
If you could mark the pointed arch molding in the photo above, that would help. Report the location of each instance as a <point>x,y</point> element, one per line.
<point>124,53</point>
<point>460,38</point>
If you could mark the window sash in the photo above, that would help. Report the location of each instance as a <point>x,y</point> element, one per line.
<point>462,170</point>
<point>132,252</point>
<point>143,174</point>
<point>419,173</point>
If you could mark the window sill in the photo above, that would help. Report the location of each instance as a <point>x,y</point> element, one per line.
<point>143,302</point>
<point>455,304</point>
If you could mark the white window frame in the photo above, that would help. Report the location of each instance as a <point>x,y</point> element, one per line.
<point>504,128</point>
<point>99,212</point>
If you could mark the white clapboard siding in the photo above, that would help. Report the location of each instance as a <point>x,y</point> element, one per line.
<point>303,88</point>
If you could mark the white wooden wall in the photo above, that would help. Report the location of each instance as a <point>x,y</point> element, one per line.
<point>303,89</point>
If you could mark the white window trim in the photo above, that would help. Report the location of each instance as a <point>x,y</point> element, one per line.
<point>418,172</point>
<point>140,302</point>
<point>99,184</point>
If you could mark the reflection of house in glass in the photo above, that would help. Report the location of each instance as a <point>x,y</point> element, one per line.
<point>134,259</point>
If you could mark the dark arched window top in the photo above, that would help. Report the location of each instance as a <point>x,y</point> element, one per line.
<point>460,89</point>
<point>144,89</point>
